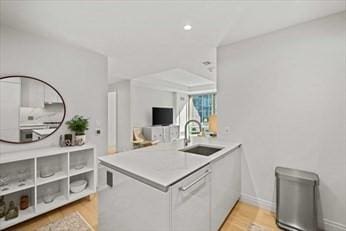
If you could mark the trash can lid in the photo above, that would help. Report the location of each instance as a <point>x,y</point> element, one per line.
<point>296,174</point>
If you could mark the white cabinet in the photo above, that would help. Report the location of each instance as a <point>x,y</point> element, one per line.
<point>191,202</point>
<point>128,205</point>
<point>185,206</point>
<point>9,109</point>
<point>225,186</point>
<point>163,134</point>
<point>153,133</point>
<point>50,96</point>
<point>32,93</point>
<point>25,178</point>
<point>174,132</point>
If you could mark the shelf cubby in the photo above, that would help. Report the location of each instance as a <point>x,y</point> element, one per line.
<point>55,163</point>
<point>23,214</point>
<point>57,189</point>
<point>89,177</point>
<point>16,180</point>
<point>81,160</point>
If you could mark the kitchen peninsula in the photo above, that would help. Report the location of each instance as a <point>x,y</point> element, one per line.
<point>171,187</point>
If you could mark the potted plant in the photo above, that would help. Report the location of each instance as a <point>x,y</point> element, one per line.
<point>78,124</point>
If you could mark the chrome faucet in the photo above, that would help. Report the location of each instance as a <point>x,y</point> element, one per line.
<point>186,139</point>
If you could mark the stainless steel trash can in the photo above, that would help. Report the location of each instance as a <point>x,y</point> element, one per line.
<point>296,207</point>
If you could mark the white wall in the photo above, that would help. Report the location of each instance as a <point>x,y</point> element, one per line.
<point>124,114</point>
<point>144,99</point>
<point>283,97</point>
<point>78,74</point>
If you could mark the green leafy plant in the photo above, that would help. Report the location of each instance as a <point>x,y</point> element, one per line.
<point>78,124</point>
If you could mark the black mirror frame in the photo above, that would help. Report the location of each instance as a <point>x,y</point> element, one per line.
<point>62,99</point>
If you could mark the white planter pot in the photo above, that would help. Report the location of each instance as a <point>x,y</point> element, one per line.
<point>80,139</point>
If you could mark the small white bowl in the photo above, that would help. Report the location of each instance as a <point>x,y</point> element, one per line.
<point>48,199</point>
<point>78,186</point>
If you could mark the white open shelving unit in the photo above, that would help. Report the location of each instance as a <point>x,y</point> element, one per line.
<point>66,163</point>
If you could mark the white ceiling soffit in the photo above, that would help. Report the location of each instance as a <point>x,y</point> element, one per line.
<point>176,80</point>
<point>166,86</point>
<point>182,77</point>
<point>144,37</point>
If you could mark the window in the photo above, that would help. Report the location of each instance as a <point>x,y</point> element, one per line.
<point>201,107</point>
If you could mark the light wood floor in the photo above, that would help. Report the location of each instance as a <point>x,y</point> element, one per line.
<point>241,217</point>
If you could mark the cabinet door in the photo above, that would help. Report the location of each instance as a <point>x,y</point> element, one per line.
<point>174,132</point>
<point>9,110</point>
<point>126,204</point>
<point>50,96</point>
<point>191,202</point>
<point>225,187</point>
<point>166,134</point>
<point>32,93</point>
<point>157,133</point>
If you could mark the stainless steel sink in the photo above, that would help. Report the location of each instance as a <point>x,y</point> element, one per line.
<point>202,150</point>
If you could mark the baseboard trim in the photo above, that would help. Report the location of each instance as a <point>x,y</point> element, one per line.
<point>264,204</point>
<point>333,226</point>
<point>268,205</point>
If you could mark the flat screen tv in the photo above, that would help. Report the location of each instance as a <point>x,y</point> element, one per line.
<point>162,116</point>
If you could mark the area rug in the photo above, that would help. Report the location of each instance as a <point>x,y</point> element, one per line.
<point>72,222</point>
<point>255,227</point>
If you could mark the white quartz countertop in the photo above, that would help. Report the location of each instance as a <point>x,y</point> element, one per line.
<point>162,165</point>
<point>43,132</point>
<point>30,126</point>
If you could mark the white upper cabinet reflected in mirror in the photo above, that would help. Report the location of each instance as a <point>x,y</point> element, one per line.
<point>30,109</point>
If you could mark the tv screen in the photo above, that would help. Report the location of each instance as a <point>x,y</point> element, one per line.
<point>162,116</point>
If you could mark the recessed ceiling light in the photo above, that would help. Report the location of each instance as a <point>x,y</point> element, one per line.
<point>187,27</point>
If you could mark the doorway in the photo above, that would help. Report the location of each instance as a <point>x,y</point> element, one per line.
<point>112,124</point>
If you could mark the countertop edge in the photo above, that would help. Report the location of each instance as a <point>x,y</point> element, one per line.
<point>136,176</point>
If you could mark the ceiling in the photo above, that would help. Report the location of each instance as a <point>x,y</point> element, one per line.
<point>145,37</point>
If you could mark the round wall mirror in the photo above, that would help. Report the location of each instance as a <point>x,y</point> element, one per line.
<point>30,109</point>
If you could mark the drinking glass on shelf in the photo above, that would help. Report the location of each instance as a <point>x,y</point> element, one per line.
<point>49,195</point>
<point>22,175</point>
<point>80,163</point>
<point>4,179</point>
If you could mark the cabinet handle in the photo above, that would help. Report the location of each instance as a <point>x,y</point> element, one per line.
<point>184,188</point>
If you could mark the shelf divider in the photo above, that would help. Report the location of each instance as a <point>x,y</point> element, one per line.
<point>56,177</point>
<point>13,187</point>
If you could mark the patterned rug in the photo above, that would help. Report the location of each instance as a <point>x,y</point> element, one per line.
<point>72,222</point>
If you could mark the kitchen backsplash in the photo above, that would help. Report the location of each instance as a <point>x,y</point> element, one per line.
<point>50,113</point>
